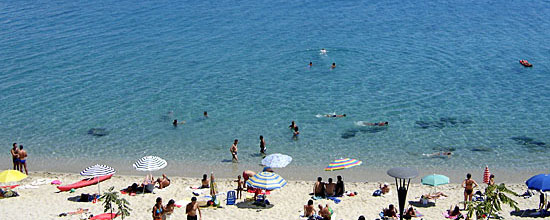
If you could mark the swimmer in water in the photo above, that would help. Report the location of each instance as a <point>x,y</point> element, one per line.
<point>175,122</point>
<point>378,124</point>
<point>310,64</point>
<point>323,51</point>
<point>205,114</point>
<point>296,132</point>
<point>440,154</point>
<point>292,125</point>
<point>335,116</point>
<point>333,66</point>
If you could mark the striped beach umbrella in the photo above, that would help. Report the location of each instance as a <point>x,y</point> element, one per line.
<point>150,163</point>
<point>97,171</point>
<point>276,160</point>
<point>266,181</point>
<point>486,175</point>
<point>343,164</point>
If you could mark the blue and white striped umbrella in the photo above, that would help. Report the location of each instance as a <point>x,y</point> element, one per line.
<point>150,163</point>
<point>97,170</point>
<point>266,181</point>
<point>276,160</point>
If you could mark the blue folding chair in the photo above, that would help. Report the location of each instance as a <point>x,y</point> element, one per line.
<point>231,198</point>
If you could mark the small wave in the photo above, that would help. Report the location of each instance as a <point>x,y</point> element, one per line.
<point>361,123</point>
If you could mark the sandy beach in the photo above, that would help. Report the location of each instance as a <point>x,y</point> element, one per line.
<point>45,202</point>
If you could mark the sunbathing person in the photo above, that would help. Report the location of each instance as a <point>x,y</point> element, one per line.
<point>330,188</point>
<point>385,188</point>
<point>319,188</point>
<point>340,186</point>
<point>148,180</point>
<point>309,209</point>
<point>454,212</point>
<point>164,182</point>
<point>434,196</point>
<point>204,182</point>
<point>390,212</point>
<point>325,212</point>
<point>410,213</point>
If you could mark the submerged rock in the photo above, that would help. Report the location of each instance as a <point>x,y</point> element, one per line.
<point>98,132</point>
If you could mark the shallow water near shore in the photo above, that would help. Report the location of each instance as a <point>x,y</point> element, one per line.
<point>85,81</point>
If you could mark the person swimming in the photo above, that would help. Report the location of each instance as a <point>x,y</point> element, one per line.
<point>335,116</point>
<point>310,64</point>
<point>205,114</point>
<point>175,122</point>
<point>333,66</point>
<point>378,124</point>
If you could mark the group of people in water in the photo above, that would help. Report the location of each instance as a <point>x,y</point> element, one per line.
<point>19,158</point>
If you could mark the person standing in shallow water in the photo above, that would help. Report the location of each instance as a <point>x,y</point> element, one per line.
<point>262,145</point>
<point>22,159</point>
<point>234,150</point>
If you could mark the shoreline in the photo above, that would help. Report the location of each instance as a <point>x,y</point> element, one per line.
<point>360,174</point>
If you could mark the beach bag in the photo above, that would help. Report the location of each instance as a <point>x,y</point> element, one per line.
<point>377,192</point>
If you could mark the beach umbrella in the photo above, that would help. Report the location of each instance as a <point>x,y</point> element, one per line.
<point>343,164</point>
<point>539,182</point>
<point>266,181</point>
<point>486,174</point>
<point>7,176</point>
<point>150,163</point>
<point>96,171</point>
<point>276,160</point>
<point>435,180</point>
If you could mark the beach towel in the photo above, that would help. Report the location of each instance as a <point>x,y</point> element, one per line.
<point>335,199</point>
<point>446,214</point>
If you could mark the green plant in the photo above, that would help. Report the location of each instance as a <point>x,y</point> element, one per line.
<point>495,196</point>
<point>122,204</point>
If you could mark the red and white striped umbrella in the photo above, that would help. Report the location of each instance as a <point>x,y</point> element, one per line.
<point>486,175</point>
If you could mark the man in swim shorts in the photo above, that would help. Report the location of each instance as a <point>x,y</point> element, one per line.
<point>23,159</point>
<point>191,209</point>
<point>15,156</point>
<point>469,184</point>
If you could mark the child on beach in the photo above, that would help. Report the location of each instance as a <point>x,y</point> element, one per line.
<point>240,184</point>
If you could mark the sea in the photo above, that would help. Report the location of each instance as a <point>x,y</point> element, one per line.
<point>86,82</point>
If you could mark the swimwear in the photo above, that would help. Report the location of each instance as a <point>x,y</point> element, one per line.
<point>468,191</point>
<point>192,217</point>
<point>23,161</point>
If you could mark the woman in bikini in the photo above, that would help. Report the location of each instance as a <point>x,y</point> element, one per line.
<point>469,184</point>
<point>158,210</point>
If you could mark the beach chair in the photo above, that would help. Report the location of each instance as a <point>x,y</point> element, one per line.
<point>231,198</point>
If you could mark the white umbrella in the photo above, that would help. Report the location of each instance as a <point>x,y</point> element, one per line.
<point>276,160</point>
<point>150,163</point>
<point>96,171</point>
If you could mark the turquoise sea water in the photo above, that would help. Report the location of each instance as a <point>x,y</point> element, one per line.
<point>444,74</point>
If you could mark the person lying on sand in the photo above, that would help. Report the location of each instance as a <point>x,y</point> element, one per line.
<point>164,182</point>
<point>434,196</point>
<point>390,212</point>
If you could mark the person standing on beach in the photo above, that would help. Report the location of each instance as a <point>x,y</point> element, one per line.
<point>234,150</point>
<point>262,145</point>
<point>469,184</point>
<point>191,209</point>
<point>15,156</point>
<point>240,184</point>
<point>22,159</point>
<point>158,209</point>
